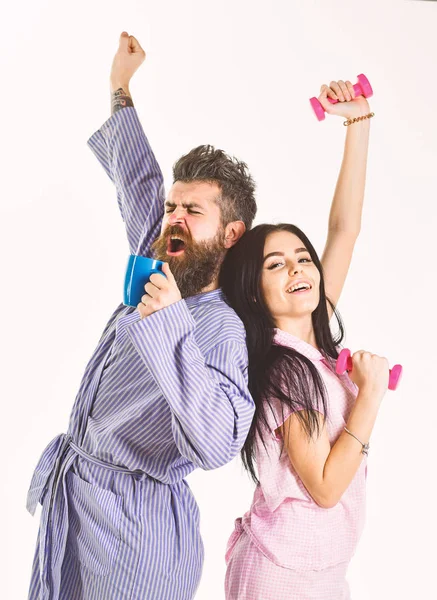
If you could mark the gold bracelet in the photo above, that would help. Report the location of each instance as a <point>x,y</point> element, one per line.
<point>350,121</point>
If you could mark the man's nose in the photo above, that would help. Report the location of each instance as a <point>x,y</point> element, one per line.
<point>177,216</point>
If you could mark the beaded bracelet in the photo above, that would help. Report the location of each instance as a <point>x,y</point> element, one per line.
<point>350,121</point>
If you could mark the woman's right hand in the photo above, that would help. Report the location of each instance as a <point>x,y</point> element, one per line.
<point>371,374</point>
<point>348,106</point>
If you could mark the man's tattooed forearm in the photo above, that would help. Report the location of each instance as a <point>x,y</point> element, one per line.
<point>119,100</point>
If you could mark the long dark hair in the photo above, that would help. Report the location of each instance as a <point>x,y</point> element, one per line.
<point>276,373</point>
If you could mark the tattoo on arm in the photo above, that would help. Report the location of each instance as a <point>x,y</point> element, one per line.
<point>120,99</point>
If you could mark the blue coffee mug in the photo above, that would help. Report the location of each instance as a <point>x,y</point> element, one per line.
<point>138,272</point>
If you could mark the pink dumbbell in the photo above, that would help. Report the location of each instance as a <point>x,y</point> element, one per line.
<point>362,88</point>
<point>344,363</point>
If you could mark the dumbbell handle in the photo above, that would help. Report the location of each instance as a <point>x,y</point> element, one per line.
<point>358,89</point>
<point>344,363</point>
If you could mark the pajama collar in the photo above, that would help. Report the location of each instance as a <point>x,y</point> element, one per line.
<point>283,338</point>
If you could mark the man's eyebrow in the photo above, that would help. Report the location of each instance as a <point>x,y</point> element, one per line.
<point>278,253</point>
<point>184,204</point>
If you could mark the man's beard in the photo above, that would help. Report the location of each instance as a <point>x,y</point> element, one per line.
<point>198,266</point>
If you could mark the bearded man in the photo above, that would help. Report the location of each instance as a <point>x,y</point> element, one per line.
<point>165,391</point>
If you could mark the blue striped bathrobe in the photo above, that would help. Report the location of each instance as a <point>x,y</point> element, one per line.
<point>160,397</point>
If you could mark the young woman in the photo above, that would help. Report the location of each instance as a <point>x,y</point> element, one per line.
<point>311,426</point>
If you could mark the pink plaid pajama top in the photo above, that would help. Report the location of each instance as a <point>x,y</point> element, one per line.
<point>284,523</point>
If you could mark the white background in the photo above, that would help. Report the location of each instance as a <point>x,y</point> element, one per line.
<point>236,74</point>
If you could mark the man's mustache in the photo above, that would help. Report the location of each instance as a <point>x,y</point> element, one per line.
<point>176,230</point>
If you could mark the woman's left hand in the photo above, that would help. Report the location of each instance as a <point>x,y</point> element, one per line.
<point>348,105</point>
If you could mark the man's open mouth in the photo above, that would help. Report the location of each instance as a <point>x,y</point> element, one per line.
<point>175,245</point>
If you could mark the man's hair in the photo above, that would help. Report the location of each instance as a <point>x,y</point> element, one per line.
<point>237,198</point>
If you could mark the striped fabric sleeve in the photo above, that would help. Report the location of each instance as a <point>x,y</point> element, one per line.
<point>123,150</point>
<point>208,396</point>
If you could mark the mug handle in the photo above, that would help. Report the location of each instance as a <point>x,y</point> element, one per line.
<point>157,271</point>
